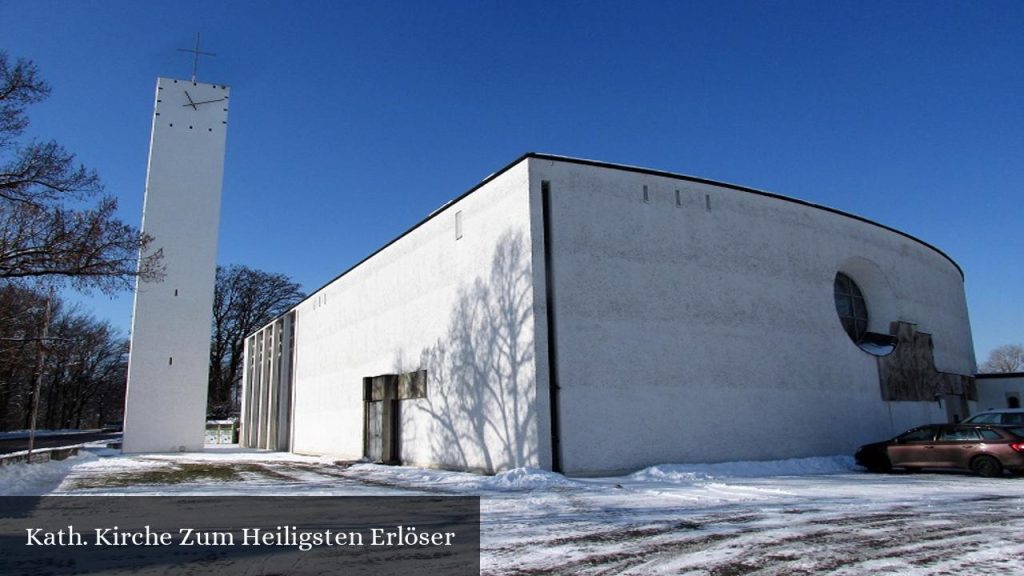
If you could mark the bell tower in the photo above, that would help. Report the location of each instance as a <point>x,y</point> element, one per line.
<point>168,368</point>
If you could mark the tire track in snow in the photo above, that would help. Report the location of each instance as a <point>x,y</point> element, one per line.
<point>780,542</point>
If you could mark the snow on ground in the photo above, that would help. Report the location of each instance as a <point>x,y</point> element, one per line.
<point>38,479</point>
<point>793,517</point>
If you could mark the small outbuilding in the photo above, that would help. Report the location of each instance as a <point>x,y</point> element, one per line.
<point>999,391</point>
<point>593,318</point>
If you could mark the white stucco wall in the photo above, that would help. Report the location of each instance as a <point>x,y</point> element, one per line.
<point>460,308</point>
<point>168,370</point>
<point>994,390</point>
<point>707,331</point>
<point>692,332</point>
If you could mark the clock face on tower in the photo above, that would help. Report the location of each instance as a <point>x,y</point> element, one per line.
<point>187,105</point>
<point>195,104</point>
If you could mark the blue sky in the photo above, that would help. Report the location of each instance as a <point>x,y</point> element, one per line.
<point>351,121</point>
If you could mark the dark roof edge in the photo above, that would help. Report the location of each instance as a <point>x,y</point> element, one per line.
<point>624,167</point>
<point>742,189</point>
<point>994,375</point>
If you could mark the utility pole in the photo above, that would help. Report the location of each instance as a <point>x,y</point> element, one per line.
<point>40,365</point>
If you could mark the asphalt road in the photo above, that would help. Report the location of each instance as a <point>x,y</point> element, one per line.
<point>8,445</point>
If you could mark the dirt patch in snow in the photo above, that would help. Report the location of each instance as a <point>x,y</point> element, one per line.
<point>179,473</point>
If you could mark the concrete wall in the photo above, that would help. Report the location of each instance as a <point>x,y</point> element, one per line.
<point>460,308</point>
<point>700,326</point>
<point>693,323</point>
<point>995,389</point>
<point>168,369</point>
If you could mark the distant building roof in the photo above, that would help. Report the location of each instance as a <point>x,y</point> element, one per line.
<point>996,375</point>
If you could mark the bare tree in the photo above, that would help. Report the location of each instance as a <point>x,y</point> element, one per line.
<point>47,227</point>
<point>244,300</point>
<point>58,227</point>
<point>21,318</point>
<point>83,378</point>
<point>1006,358</point>
<point>84,366</point>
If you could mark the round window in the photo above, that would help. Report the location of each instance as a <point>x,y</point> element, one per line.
<point>850,305</point>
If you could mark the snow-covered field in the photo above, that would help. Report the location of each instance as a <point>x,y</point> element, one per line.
<point>809,516</point>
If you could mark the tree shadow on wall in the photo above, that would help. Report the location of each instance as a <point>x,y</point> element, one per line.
<point>481,387</point>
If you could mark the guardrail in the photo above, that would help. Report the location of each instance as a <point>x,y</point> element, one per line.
<point>40,455</point>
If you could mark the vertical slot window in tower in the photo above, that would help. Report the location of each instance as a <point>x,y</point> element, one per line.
<point>679,198</point>
<point>458,225</point>
<point>647,195</point>
<point>707,202</point>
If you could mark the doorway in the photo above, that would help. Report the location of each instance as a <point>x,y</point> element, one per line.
<point>382,435</point>
<point>956,407</point>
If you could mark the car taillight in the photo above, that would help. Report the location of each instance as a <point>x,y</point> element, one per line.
<point>1018,446</point>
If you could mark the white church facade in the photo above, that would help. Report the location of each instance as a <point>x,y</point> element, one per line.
<point>592,318</point>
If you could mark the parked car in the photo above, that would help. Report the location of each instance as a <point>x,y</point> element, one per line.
<point>986,450</point>
<point>1004,416</point>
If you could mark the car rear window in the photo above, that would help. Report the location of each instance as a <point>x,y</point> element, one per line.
<point>1016,431</point>
<point>1013,418</point>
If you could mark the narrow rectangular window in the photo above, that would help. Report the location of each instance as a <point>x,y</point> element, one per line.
<point>679,198</point>
<point>647,195</point>
<point>707,202</point>
<point>458,225</point>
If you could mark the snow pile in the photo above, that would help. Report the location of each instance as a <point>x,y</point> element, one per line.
<point>38,479</point>
<point>525,479</point>
<point>458,482</point>
<point>410,476</point>
<point>680,473</point>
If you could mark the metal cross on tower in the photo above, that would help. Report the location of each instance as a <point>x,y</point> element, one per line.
<point>195,56</point>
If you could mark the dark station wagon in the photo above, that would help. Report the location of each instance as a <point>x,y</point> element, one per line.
<point>986,450</point>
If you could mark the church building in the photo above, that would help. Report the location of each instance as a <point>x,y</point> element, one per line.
<point>592,318</point>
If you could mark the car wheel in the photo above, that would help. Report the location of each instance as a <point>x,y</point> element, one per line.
<point>986,466</point>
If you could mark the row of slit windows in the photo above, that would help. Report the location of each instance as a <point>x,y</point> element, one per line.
<point>646,198</point>
<point>678,197</point>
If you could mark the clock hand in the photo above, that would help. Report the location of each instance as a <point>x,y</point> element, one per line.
<point>190,102</point>
<point>208,101</point>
